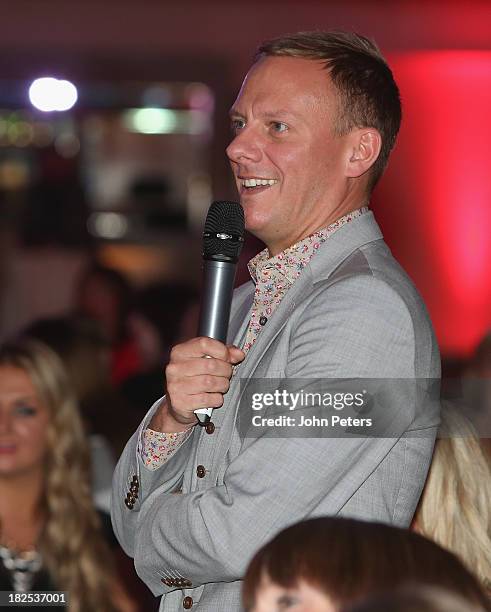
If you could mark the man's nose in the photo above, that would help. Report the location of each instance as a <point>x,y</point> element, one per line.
<point>246,146</point>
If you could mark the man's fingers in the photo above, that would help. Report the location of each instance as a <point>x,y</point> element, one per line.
<point>236,355</point>
<point>200,347</point>
<point>198,366</point>
<point>197,400</point>
<point>195,382</point>
<point>199,384</point>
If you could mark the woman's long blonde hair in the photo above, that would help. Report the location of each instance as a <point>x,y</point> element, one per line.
<point>455,507</point>
<point>72,545</point>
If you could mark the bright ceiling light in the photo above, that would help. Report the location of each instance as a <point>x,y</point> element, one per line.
<point>49,94</point>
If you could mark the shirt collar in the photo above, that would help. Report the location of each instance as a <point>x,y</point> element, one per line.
<point>290,262</point>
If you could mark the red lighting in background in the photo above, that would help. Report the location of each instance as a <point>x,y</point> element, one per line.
<point>435,201</point>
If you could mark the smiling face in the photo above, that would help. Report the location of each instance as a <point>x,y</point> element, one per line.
<point>271,597</point>
<point>24,422</point>
<point>291,170</point>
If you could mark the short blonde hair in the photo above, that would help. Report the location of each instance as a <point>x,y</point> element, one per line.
<point>367,92</point>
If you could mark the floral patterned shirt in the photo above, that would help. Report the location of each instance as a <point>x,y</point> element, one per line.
<point>273,276</point>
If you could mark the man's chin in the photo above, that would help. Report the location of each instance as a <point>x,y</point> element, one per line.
<point>256,227</point>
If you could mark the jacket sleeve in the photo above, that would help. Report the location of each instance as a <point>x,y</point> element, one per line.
<point>130,468</point>
<point>166,479</point>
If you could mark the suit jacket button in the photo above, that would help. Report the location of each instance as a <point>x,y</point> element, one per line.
<point>209,427</point>
<point>200,471</point>
<point>187,603</point>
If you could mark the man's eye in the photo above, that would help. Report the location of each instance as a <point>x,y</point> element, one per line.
<point>278,126</point>
<point>237,124</point>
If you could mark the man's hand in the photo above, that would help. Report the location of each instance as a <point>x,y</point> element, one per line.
<point>198,375</point>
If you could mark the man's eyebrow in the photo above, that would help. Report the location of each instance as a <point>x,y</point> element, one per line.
<point>277,114</point>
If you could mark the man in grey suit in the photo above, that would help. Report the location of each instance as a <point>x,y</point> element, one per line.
<point>314,123</point>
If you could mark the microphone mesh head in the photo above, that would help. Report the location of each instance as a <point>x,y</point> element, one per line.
<point>223,235</point>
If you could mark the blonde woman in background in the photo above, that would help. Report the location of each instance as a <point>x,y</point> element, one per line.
<point>50,533</point>
<point>455,507</point>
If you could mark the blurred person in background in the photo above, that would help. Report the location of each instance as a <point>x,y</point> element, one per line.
<point>415,598</point>
<point>323,564</point>
<point>156,323</point>
<point>85,353</point>
<point>106,296</point>
<point>455,506</point>
<point>51,537</point>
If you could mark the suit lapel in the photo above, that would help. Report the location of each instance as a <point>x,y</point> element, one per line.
<point>331,254</point>
<point>240,313</point>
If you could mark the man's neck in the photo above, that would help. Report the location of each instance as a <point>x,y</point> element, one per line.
<point>276,248</point>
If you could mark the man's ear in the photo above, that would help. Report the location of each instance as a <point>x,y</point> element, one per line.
<point>365,144</point>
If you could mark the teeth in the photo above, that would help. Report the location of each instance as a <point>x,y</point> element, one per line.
<point>257,182</point>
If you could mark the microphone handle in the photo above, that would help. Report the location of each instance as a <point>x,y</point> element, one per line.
<point>218,287</point>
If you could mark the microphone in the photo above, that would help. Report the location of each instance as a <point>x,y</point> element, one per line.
<point>223,238</point>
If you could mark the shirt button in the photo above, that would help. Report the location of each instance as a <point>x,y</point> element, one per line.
<point>200,471</point>
<point>263,320</point>
<point>209,427</point>
<point>187,603</point>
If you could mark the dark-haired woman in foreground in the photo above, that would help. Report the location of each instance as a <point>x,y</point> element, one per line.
<point>323,564</point>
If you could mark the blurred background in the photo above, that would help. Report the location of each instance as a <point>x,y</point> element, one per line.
<point>116,159</point>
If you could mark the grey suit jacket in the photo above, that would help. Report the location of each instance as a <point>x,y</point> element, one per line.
<point>353,312</point>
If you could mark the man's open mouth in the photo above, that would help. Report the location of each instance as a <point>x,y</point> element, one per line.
<point>254,183</point>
